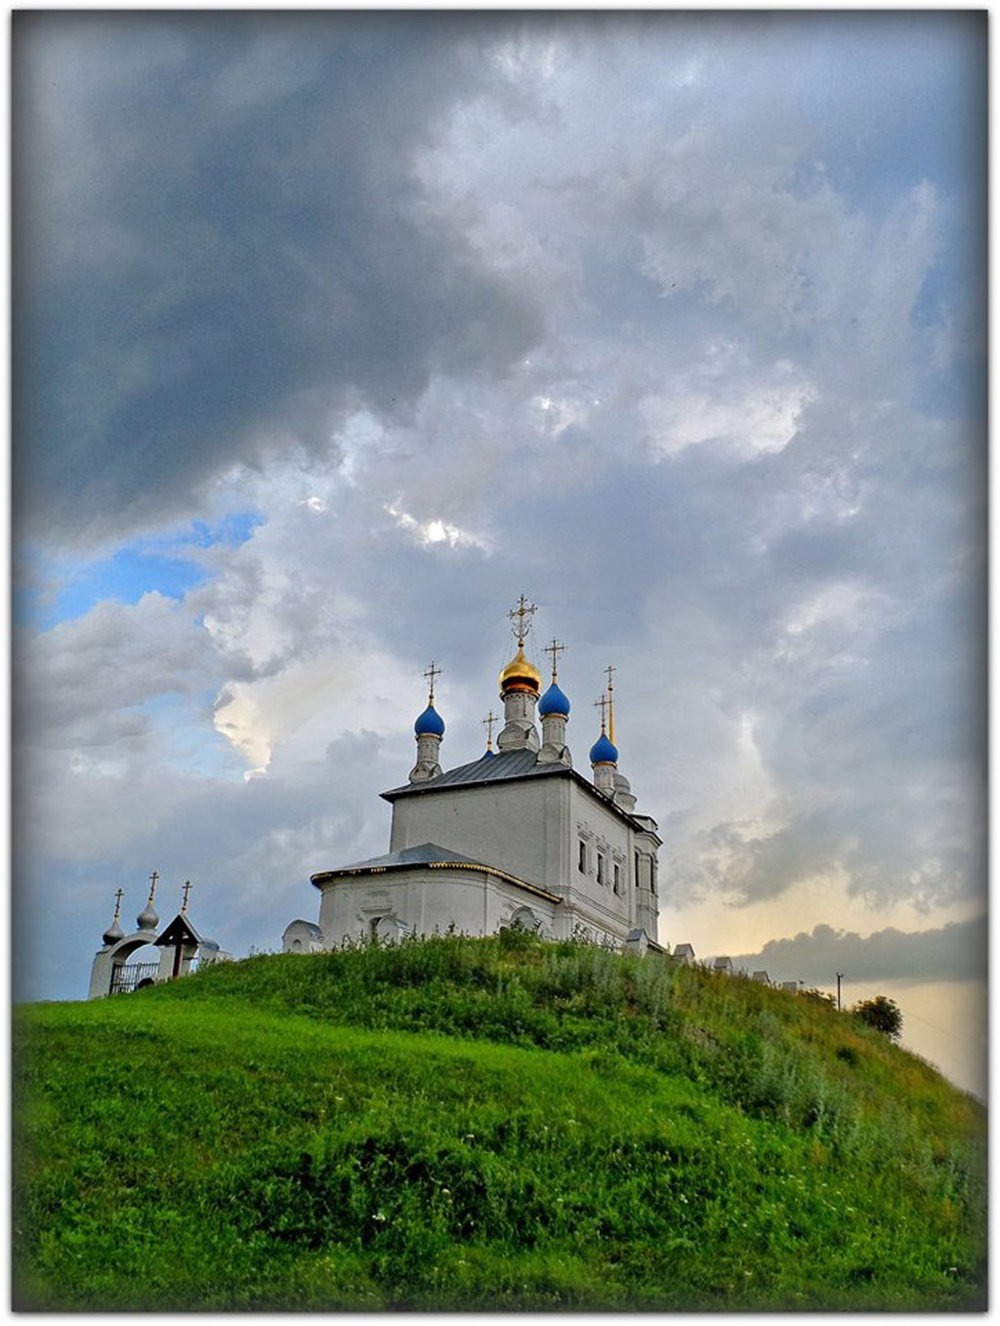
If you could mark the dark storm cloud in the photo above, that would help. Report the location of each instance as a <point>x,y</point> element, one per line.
<point>221,240</point>
<point>955,952</point>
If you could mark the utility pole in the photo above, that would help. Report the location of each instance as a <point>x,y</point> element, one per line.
<point>840,977</point>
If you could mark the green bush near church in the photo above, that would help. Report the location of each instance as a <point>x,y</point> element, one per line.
<point>482,1124</point>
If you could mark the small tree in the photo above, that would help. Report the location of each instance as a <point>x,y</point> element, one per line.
<point>881,1013</point>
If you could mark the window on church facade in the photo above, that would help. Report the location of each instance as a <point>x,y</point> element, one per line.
<point>618,878</point>
<point>582,860</point>
<point>600,867</point>
<point>637,870</point>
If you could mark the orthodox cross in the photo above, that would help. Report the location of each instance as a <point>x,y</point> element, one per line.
<point>601,704</point>
<point>118,902</point>
<point>152,885</point>
<point>488,722</point>
<point>432,673</point>
<point>611,701</point>
<point>524,609</point>
<point>555,649</point>
<point>187,890</point>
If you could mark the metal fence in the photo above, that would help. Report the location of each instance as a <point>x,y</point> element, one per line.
<point>128,976</point>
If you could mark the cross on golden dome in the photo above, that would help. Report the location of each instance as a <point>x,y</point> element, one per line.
<point>524,609</point>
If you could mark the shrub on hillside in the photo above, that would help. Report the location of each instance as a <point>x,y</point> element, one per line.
<point>881,1013</point>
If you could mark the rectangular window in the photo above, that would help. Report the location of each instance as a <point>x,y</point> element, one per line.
<point>652,877</point>
<point>637,870</point>
<point>582,861</point>
<point>600,868</point>
<point>618,878</point>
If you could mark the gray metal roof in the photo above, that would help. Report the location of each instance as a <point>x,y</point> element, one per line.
<point>487,769</point>
<point>429,854</point>
<point>424,855</point>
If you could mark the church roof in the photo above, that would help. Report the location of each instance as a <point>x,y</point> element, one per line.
<point>309,926</point>
<point>432,856</point>
<point>181,931</point>
<point>424,855</point>
<point>505,766</point>
<point>498,768</point>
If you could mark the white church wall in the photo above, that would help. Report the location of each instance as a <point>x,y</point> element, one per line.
<point>533,828</point>
<point>607,841</point>
<point>425,900</point>
<point>515,826</point>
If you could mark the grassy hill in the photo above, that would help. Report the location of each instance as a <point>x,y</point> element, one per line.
<point>475,1124</point>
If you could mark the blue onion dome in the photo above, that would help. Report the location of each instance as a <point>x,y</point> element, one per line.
<point>429,724</point>
<point>603,751</point>
<point>553,702</point>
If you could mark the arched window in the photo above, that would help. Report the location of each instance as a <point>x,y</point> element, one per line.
<point>525,919</point>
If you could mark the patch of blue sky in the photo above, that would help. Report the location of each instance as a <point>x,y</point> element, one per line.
<point>229,530</point>
<point>122,578</point>
<point>168,564</point>
<point>226,531</point>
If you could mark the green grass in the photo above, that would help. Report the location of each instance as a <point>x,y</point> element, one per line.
<point>476,1124</point>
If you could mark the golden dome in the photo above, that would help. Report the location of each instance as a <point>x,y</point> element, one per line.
<point>520,675</point>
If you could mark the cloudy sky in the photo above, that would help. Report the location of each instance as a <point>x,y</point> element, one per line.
<point>335,332</point>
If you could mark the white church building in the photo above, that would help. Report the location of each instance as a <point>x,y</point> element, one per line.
<point>516,837</point>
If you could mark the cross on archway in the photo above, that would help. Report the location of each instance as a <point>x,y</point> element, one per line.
<point>187,891</point>
<point>152,885</point>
